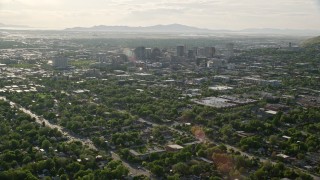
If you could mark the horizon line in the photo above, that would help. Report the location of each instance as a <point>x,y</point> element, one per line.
<point>26,27</point>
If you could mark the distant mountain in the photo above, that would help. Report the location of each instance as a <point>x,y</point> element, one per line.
<point>178,28</point>
<point>312,42</point>
<point>13,26</point>
<point>171,28</point>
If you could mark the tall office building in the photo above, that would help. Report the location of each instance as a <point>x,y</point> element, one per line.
<point>148,53</point>
<point>201,52</point>
<point>140,53</point>
<point>60,62</point>
<point>195,51</point>
<point>156,54</point>
<point>229,50</point>
<point>191,54</point>
<point>180,50</point>
<point>209,52</point>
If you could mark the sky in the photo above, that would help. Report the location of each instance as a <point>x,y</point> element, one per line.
<point>212,14</point>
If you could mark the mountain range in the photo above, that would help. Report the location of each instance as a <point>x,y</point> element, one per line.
<point>178,28</point>
<point>157,28</point>
<point>312,42</point>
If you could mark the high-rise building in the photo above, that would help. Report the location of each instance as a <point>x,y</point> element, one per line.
<point>156,54</point>
<point>201,52</point>
<point>140,53</point>
<point>180,50</point>
<point>210,52</point>
<point>195,50</point>
<point>148,53</point>
<point>191,54</point>
<point>229,50</point>
<point>60,62</point>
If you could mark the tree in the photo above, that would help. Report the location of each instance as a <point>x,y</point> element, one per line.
<point>174,177</point>
<point>195,169</point>
<point>30,176</point>
<point>64,177</point>
<point>45,144</point>
<point>27,159</point>
<point>251,142</point>
<point>181,168</point>
<point>273,139</point>
<point>49,164</point>
<point>223,162</point>
<point>260,174</point>
<point>157,170</point>
<point>226,131</point>
<point>14,144</point>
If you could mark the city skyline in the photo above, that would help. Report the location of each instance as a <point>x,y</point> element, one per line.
<point>218,14</point>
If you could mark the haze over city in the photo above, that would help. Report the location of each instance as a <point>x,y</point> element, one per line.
<point>156,90</point>
<point>211,14</point>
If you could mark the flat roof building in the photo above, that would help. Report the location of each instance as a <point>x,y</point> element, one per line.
<point>60,62</point>
<point>180,51</point>
<point>209,52</point>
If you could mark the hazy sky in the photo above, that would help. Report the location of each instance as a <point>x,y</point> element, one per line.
<point>213,14</point>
